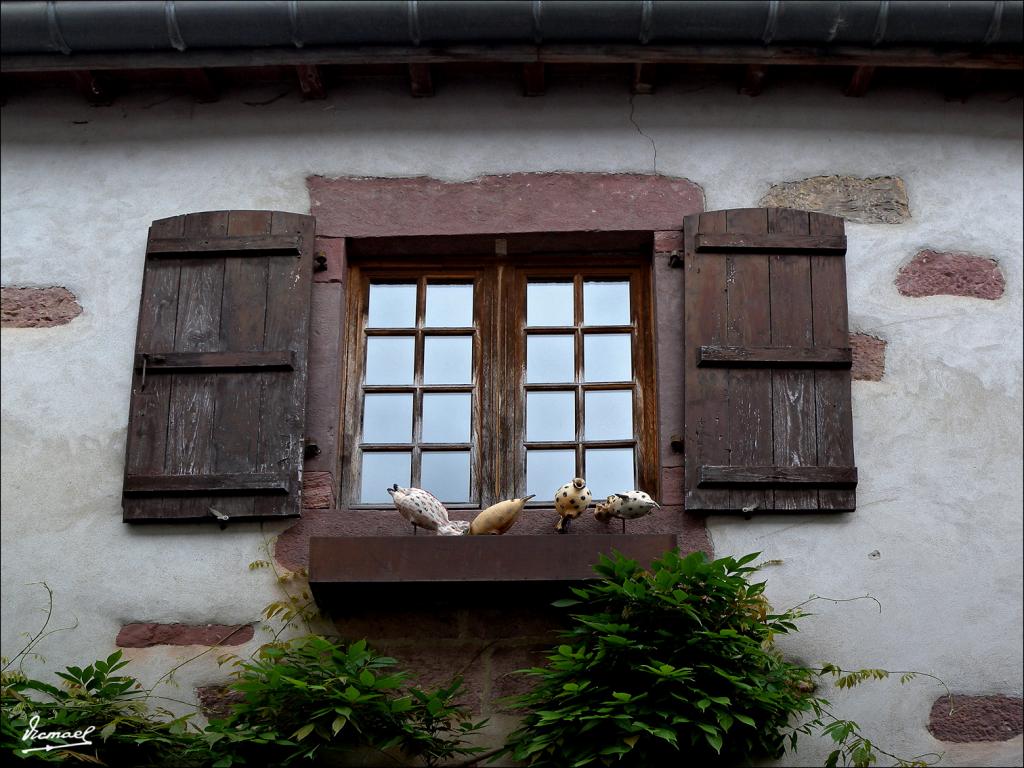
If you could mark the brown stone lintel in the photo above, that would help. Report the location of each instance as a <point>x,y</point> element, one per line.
<point>37,307</point>
<point>976,718</point>
<point>667,241</point>
<point>951,273</point>
<point>518,202</point>
<point>145,635</point>
<point>868,357</point>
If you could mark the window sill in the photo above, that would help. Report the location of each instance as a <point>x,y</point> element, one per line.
<point>360,569</point>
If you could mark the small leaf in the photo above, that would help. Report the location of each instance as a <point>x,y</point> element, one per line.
<point>338,724</point>
<point>303,732</point>
<point>714,741</point>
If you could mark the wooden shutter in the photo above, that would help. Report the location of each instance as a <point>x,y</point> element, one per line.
<point>218,392</point>
<point>767,360</point>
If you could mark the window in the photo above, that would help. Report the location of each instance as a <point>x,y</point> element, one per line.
<point>483,376</point>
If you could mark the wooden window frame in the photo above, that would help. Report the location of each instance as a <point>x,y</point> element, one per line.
<point>500,266</point>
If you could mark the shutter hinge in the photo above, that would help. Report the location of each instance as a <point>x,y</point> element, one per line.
<point>674,261</point>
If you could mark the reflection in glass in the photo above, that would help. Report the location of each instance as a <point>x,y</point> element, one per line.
<point>389,359</point>
<point>448,360</point>
<point>609,470</point>
<point>449,305</point>
<point>547,471</point>
<point>387,418</point>
<point>550,416</point>
<point>446,474</point>
<point>607,357</point>
<point>550,359</point>
<point>608,415</point>
<point>392,305</point>
<point>606,303</point>
<point>382,470</point>
<point>549,304</point>
<point>446,417</point>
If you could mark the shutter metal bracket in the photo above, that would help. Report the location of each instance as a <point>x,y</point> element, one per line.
<point>674,261</point>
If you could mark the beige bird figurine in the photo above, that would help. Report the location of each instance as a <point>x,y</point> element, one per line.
<point>625,506</point>
<point>570,502</point>
<point>498,518</point>
<point>423,510</point>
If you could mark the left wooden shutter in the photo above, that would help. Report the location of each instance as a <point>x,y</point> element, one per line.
<point>217,415</point>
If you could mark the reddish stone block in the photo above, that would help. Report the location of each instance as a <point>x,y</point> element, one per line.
<point>868,357</point>
<point>976,718</point>
<point>668,240</point>
<point>329,257</point>
<point>376,624</point>
<point>145,635</point>
<point>317,490</point>
<point>938,273</point>
<point>37,307</point>
<point>518,202</point>
<point>216,701</point>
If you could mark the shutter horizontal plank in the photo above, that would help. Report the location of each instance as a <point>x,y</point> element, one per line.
<point>206,484</point>
<point>775,357</point>
<point>776,476</point>
<point>168,362</point>
<point>217,420</point>
<point>184,247</point>
<point>772,243</point>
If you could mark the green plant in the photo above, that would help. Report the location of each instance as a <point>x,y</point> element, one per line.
<point>309,697</point>
<point>673,663</point>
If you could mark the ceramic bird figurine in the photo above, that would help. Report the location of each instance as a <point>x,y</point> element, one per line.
<point>625,506</point>
<point>423,510</point>
<point>570,501</point>
<point>498,518</point>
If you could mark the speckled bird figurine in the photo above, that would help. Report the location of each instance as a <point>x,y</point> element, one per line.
<point>498,518</point>
<point>570,502</point>
<point>625,506</point>
<point>423,510</point>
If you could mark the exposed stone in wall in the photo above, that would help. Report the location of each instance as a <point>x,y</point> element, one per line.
<point>976,718</point>
<point>950,273</point>
<point>317,490</point>
<point>215,701</point>
<point>877,200</point>
<point>868,357</point>
<point>144,635</point>
<point>518,202</point>
<point>37,307</point>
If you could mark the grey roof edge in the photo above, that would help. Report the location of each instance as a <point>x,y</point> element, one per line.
<point>120,26</point>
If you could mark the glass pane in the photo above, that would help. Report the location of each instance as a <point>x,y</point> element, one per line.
<point>387,418</point>
<point>549,304</point>
<point>608,415</point>
<point>609,470</point>
<point>449,305</point>
<point>607,357</point>
<point>550,416</point>
<point>392,305</point>
<point>446,417</point>
<point>446,474</point>
<point>448,360</point>
<point>389,359</point>
<point>547,471</point>
<point>550,359</point>
<point>381,471</point>
<point>606,303</point>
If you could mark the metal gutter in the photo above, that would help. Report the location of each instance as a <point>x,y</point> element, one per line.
<point>121,26</point>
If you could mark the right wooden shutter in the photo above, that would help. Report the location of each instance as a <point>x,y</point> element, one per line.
<point>767,363</point>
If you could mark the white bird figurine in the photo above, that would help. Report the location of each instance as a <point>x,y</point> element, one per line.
<point>570,501</point>
<point>423,510</point>
<point>625,506</point>
<point>498,518</point>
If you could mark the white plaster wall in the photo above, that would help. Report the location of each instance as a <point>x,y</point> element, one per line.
<point>938,440</point>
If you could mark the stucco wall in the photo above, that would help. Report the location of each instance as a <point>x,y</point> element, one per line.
<point>937,534</point>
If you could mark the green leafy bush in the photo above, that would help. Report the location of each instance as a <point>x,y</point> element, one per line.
<point>676,664</point>
<point>109,709</point>
<point>309,697</point>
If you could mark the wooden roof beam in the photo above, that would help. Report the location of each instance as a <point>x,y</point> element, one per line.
<point>311,81</point>
<point>860,81</point>
<point>421,81</point>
